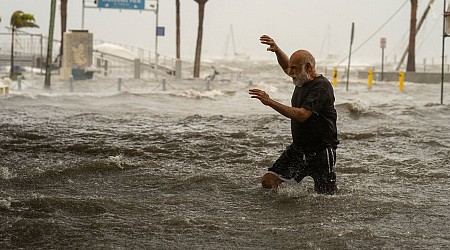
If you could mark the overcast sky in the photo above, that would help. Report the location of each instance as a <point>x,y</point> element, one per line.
<point>321,26</point>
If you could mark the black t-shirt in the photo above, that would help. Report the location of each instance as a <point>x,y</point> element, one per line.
<point>319,131</point>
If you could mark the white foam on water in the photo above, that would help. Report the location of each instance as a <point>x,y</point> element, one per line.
<point>5,174</point>
<point>5,203</point>
<point>195,94</point>
<point>118,160</point>
<point>358,106</point>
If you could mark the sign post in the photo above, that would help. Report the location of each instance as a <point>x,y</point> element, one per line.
<point>350,53</point>
<point>445,33</point>
<point>141,5</point>
<point>382,46</point>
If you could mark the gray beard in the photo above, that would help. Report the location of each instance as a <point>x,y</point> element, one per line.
<point>301,80</point>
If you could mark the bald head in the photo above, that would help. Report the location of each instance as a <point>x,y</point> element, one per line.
<point>304,59</point>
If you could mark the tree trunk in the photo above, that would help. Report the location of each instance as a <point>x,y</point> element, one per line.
<point>198,49</point>
<point>63,28</point>
<point>411,64</point>
<point>178,40</point>
<point>48,63</point>
<point>11,71</point>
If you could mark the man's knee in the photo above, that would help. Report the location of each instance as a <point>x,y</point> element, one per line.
<point>270,181</point>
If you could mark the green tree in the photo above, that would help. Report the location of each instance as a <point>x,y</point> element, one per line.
<point>198,49</point>
<point>19,20</point>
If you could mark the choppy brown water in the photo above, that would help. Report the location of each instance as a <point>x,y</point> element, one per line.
<point>180,169</point>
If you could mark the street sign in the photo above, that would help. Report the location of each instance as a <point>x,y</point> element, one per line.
<point>160,31</point>
<point>383,42</point>
<point>122,4</point>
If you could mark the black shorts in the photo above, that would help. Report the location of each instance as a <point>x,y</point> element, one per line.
<point>293,164</point>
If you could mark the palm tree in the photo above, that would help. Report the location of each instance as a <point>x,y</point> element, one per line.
<point>63,27</point>
<point>198,49</point>
<point>177,6</point>
<point>411,64</point>
<point>19,19</point>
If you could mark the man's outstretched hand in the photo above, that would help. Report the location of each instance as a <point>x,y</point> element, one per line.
<point>265,39</point>
<point>260,95</point>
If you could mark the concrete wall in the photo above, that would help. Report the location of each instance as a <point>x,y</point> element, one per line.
<point>417,77</point>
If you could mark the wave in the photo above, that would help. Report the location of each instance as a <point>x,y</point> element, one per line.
<point>379,132</point>
<point>36,207</point>
<point>357,135</point>
<point>433,143</point>
<point>5,204</point>
<point>207,181</point>
<point>355,107</point>
<point>425,175</point>
<point>196,94</point>
<point>78,170</point>
<point>352,170</point>
<point>5,174</point>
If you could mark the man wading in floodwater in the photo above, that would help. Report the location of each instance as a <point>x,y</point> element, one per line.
<point>313,124</point>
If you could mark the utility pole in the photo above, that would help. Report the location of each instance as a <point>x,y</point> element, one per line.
<point>422,19</point>
<point>411,63</point>
<point>48,63</point>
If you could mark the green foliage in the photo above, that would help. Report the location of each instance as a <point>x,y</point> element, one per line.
<point>19,19</point>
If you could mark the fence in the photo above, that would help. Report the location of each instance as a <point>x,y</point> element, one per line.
<point>31,49</point>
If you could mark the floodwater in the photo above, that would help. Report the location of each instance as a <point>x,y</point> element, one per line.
<point>145,168</point>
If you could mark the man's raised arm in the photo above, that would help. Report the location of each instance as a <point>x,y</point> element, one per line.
<point>283,59</point>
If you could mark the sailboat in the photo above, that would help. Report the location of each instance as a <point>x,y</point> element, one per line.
<point>235,55</point>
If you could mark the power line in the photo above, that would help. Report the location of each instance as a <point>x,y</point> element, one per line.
<point>381,27</point>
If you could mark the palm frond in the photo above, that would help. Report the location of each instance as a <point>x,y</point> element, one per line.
<point>19,19</point>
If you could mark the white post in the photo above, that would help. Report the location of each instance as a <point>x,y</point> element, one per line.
<point>119,84</point>
<point>19,83</point>
<point>71,83</point>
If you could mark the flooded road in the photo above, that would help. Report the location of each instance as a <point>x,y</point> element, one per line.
<point>180,169</point>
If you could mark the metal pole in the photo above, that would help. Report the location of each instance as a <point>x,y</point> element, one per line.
<point>82,16</point>
<point>42,53</point>
<point>382,64</point>
<point>443,53</point>
<point>350,53</point>
<point>156,39</point>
